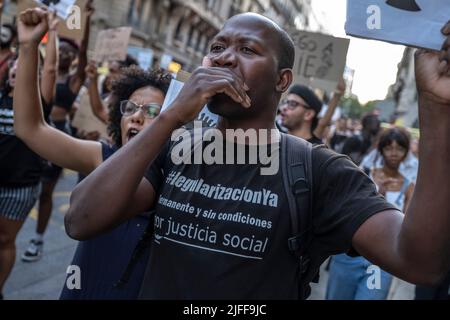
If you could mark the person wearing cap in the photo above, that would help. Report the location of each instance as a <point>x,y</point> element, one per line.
<point>299,113</point>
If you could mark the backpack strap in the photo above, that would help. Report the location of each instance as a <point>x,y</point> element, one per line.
<point>296,162</point>
<point>139,250</point>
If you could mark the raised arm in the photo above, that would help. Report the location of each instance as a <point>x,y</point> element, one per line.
<point>325,121</point>
<point>50,68</point>
<point>98,108</point>
<point>119,181</point>
<point>29,125</point>
<point>416,247</point>
<point>1,11</point>
<point>79,77</point>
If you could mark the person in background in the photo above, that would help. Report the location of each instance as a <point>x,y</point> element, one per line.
<point>300,113</point>
<point>68,86</point>
<point>340,135</point>
<point>20,167</point>
<point>99,100</point>
<point>359,145</point>
<point>105,258</point>
<point>349,277</point>
<point>7,38</point>
<point>325,122</point>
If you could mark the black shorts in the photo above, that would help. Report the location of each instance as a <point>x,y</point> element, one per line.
<point>17,202</point>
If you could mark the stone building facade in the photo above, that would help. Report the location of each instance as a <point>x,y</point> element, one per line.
<point>404,91</point>
<point>182,29</point>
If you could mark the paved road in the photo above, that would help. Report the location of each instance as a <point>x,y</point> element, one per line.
<point>44,279</point>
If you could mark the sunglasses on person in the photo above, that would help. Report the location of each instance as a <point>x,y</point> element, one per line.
<point>128,108</point>
<point>292,104</point>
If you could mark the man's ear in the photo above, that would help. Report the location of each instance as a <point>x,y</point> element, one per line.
<point>309,115</point>
<point>284,80</point>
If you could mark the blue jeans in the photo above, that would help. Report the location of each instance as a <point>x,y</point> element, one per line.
<point>356,279</point>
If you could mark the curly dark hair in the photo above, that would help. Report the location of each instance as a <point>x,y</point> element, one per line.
<point>132,79</point>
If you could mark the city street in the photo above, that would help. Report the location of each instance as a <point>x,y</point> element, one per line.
<point>44,279</point>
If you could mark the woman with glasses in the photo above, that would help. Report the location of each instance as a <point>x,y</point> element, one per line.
<point>138,96</point>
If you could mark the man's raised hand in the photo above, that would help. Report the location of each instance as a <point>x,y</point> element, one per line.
<point>433,71</point>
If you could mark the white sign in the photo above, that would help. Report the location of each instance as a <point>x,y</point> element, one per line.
<point>143,56</point>
<point>416,23</point>
<point>63,8</point>
<point>85,120</point>
<point>209,119</point>
<point>319,59</point>
<point>165,61</point>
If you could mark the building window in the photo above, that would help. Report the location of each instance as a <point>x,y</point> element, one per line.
<point>135,12</point>
<point>190,37</point>
<point>178,35</point>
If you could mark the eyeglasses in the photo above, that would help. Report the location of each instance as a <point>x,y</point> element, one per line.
<point>292,104</point>
<point>128,108</point>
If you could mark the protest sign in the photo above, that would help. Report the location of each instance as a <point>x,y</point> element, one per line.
<point>144,56</point>
<point>85,120</point>
<point>73,26</point>
<point>319,59</point>
<point>415,23</point>
<point>112,44</point>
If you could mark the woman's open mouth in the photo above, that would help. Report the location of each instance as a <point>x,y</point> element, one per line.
<point>132,133</point>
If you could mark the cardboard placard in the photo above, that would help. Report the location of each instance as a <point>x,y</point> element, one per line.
<point>72,28</point>
<point>319,59</point>
<point>85,120</point>
<point>415,23</point>
<point>112,44</point>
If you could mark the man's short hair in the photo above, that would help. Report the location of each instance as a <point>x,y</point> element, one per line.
<point>286,51</point>
<point>286,47</point>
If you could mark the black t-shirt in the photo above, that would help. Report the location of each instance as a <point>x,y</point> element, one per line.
<point>356,147</point>
<point>221,230</point>
<point>19,166</point>
<point>337,142</point>
<point>64,97</point>
<point>314,140</point>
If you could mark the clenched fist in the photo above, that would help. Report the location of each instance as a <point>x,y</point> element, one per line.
<point>433,71</point>
<point>32,26</point>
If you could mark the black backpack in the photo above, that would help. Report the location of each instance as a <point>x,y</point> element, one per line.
<point>296,166</point>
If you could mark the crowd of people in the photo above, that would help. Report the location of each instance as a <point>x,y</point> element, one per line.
<point>138,246</point>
